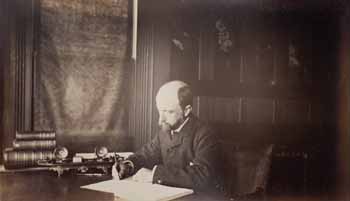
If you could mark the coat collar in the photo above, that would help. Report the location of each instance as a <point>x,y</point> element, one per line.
<point>186,131</point>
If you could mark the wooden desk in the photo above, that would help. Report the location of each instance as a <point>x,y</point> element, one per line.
<point>46,186</point>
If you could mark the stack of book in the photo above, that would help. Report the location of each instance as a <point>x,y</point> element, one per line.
<point>28,148</point>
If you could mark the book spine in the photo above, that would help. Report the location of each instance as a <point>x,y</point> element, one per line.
<point>36,136</point>
<point>21,159</point>
<point>34,144</point>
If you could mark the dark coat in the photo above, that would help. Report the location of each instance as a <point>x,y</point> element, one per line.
<point>187,159</point>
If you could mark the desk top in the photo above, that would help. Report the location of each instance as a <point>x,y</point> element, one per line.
<point>44,186</point>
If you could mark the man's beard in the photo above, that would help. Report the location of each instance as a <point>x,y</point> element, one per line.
<point>165,127</point>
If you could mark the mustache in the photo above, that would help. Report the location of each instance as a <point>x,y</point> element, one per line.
<point>165,127</point>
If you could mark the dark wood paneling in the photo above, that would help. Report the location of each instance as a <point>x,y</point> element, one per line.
<point>22,52</point>
<point>271,73</point>
<point>3,62</point>
<point>258,111</point>
<point>142,77</point>
<point>221,88</point>
<point>152,69</point>
<point>263,77</point>
<point>206,52</point>
<point>293,112</point>
<point>343,108</point>
<point>17,70</point>
<point>8,118</point>
<point>212,109</point>
<point>256,134</point>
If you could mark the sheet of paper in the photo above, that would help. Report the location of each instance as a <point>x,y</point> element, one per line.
<point>137,191</point>
<point>93,155</point>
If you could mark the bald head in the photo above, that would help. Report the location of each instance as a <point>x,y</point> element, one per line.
<point>175,91</point>
<point>174,103</point>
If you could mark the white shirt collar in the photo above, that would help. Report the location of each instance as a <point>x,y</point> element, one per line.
<point>180,127</point>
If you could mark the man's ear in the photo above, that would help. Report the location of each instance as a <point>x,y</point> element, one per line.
<point>187,110</point>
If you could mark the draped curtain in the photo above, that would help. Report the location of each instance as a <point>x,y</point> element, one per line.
<point>81,76</point>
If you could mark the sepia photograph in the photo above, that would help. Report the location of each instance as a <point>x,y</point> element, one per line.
<point>184,100</point>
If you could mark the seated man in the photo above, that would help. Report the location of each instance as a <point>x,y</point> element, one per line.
<point>184,153</point>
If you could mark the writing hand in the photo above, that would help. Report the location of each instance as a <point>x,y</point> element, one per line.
<point>124,169</point>
<point>115,173</point>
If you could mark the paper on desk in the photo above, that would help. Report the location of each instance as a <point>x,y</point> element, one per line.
<point>138,191</point>
<point>93,155</point>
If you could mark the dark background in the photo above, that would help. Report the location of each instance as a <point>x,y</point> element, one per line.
<point>263,72</point>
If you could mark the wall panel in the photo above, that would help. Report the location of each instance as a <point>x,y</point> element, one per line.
<point>150,71</point>
<point>258,75</point>
<point>17,57</point>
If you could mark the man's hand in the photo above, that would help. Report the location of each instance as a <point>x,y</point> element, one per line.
<point>124,169</point>
<point>143,175</point>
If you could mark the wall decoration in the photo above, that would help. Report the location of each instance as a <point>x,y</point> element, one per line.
<point>223,34</point>
<point>178,44</point>
<point>293,60</point>
<point>82,73</point>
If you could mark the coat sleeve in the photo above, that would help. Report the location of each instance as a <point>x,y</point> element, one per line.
<point>148,156</point>
<point>199,174</point>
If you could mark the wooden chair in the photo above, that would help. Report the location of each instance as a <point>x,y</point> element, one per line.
<point>245,171</point>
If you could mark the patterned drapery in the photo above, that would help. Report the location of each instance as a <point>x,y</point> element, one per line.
<point>81,76</point>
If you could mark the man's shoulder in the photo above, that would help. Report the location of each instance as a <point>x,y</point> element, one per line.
<point>203,127</point>
<point>205,133</point>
